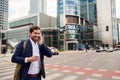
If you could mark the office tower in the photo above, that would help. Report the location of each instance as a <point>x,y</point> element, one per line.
<point>68,23</point>
<point>107,22</point>
<point>4,14</point>
<point>37,6</point>
<point>86,21</point>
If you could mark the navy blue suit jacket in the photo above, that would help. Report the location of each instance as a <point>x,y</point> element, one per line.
<point>19,58</point>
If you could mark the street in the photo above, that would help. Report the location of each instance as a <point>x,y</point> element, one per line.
<point>74,65</point>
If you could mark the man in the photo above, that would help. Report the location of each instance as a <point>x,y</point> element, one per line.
<point>33,57</point>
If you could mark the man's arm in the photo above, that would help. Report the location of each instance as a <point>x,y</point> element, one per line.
<point>45,50</point>
<point>17,56</point>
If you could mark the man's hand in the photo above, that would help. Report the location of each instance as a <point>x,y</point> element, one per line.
<point>33,58</point>
<point>41,40</point>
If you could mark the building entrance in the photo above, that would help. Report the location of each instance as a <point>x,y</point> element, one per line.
<point>72,45</point>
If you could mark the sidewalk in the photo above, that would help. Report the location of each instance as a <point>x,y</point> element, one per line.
<point>78,51</point>
<point>5,58</point>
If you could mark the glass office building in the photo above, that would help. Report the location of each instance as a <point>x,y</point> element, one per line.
<point>88,10</point>
<point>68,23</point>
<point>4,14</point>
<point>19,28</point>
<point>115,30</point>
<point>37,6</point>
<point>88,13</point>
<point>75,22</point>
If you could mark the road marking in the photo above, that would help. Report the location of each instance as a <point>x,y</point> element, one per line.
<point>6,70</point>
<point>64,66</point>
<point>88,68</point>
<point>52,76</point>
<point>93,61</point>
<point>66,71</point>
<point>2,74</point>
<point>54,69</point>
<point>115,77</point>
<point>47,72</point>
<point>102,70</point>
<point>70,78</point>
<point>97,75</point>
<point>86,71</point>
<point>6,77</point>
<point>117,71</point>
<point>82,73</point>
<point>91,79</point>
<point>76,67</point>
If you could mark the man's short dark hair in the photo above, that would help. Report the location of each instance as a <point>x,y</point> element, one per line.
<point>34,28</point>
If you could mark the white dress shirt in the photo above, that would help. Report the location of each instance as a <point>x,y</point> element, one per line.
<point>35,65</point>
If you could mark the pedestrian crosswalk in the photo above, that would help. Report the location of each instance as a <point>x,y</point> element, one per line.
<point>7,71</point>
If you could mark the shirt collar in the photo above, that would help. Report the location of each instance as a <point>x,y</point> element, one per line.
<point>33,43</point>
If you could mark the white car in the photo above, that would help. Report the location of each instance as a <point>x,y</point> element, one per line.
<point>54,50</point>
<point>110,49</point>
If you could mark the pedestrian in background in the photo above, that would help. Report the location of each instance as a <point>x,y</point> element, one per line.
<point>86,47</point>
<point>4,50</point>
<point>33,57</point>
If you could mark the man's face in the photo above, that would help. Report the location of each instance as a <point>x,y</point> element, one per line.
<point>35,35</point>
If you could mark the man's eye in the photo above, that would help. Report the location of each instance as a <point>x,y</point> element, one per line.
<point>37,33</point>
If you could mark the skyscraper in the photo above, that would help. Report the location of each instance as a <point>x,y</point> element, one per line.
<point>4,14</point>
<point>37,6</point>
<point>107,22</point>
<point>68,23</point>
<point>86,21</point>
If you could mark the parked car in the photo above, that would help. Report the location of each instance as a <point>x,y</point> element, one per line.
<point>111,49</point>
<point>99,49</point>
<point>54,50</point>
<point>117,47</point>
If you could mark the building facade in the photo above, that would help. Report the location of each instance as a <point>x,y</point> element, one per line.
<point>4,14</point>
<point>3,19</point>
<point>68,20</point>
<point>37,6</point>
<point>107,22</point>
<point>88,22</point>
<point>118,28</point>
<point>19,28</point>
<point>84,21</point>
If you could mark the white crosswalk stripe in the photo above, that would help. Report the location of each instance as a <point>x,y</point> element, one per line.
<point>116,77</point>
<point>53,76</point>
<point>6,71</point>
<point>6,77</point>
<point>70,78</point>
<point>91,79</point>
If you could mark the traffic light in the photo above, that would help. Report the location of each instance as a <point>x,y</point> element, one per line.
<point>107,28</point>
<point>3,35</point>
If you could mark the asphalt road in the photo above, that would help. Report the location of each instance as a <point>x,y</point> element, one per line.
<point>102,60</point>
<point>101,65</point>
<point>73,65</point>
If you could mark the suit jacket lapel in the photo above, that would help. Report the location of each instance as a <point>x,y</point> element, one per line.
<point>30,47</point>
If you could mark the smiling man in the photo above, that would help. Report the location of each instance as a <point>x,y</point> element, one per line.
<point>33,57</point>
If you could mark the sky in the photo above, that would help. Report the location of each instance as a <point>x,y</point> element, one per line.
<point>20,8</point>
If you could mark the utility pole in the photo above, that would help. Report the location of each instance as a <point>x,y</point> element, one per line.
<point>0,40</point>
<point>64,33</point>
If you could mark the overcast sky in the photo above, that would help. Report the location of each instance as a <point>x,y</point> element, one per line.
<point>20,8</point>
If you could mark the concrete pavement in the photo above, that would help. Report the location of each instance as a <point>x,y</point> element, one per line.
<point>6,58</point>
